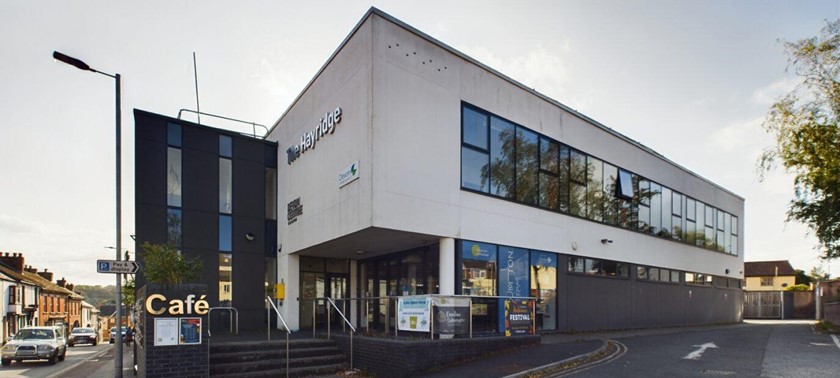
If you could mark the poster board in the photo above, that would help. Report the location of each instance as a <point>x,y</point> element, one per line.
<point>413,314</point>
<point>518,317</point>
<point>452,315</point>
<point>190,331</point>
<point>166,331</point>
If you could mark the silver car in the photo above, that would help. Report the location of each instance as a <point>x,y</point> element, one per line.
<point>35,343</point>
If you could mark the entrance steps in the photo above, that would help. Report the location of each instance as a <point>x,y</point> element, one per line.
<point>307,357</point>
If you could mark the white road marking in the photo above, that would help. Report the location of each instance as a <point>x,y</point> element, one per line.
<point>836,340</point>
<point>699,352</point>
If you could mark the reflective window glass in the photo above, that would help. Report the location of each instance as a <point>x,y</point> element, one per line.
<point>174,228</point>
<point>644,218</point>
<point>225,280</point>
<point>225,233</point>
<point>564,178</point>
<point>690,209</point>
<point>577,199</point>
<point>549,191</point>
<point>527,165</point>
<point>664,275</point>
<point>710,216</point>
<point>578,166</point>
<point>173,177</point>
<point>676,204</point>
<point>734,225</point>
<point>666,209</point>
<point>479,268</point>
<point>594,189</point>
<point>502,157</point>
<point>675,276</point>
<point>576,264</point>
<point>653,274</point>
<point>625,184</point>
<point>655,208</point>
<point>549,152</point>
<point>225,146</point>
<point>700,230</point>
<point>173,134</point>
<point>641,272</point>
<point>225,186</point>
<point>610,199</point>
<point>474,128</point>
<point>474,169</point>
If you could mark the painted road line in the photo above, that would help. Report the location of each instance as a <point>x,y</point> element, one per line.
<point>836,340</point>
<point>699,352</point>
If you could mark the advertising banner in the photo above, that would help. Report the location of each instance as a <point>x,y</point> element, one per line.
<point>452,315</point>
<point>513,277</point>
<point>518,316</point>
<point>413,314</point>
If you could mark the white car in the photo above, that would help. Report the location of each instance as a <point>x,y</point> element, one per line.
<point>35,343</point>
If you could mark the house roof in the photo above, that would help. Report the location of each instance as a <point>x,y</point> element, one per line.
<point>49,286</point>
<point>768,268</point>
<point>17,276</point>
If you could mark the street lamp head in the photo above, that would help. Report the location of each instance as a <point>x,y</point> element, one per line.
<point>71,61</point>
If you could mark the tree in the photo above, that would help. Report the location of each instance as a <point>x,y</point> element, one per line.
<point>818,274</point>
<point>802,278</point>
<point>129,292</point>
<point>165,264</point>
<point>804,124</point>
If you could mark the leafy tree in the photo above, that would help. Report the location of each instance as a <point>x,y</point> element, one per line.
<point>798,287</point>
<point>165,264</point>
<point>802,278</point>
<point>818,274</point>
<point>804,124</point>
<point>129,292</point>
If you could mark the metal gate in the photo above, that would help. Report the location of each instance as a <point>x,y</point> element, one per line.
<point>763,304</point>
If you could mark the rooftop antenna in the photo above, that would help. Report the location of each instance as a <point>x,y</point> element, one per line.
<point>195,74</point>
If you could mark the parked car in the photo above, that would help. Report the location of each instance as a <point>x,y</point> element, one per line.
<point>82,335</point>
<point>114,334</point>
<point>35,343</point>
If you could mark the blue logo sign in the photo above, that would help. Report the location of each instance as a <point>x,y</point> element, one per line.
<point>104,266</point>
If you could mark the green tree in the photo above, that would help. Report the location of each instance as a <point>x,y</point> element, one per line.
<point>802,278</point>
<point>804,124</point>
<point>818,274</point>
<point>129,292</point>
<point>165,264</point>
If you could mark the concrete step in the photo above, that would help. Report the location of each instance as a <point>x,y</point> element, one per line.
<point>269,354</point>
<point>324,370</point>
<point>280,363</point>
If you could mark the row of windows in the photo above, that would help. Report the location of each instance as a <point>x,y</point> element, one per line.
<point>657,274</point>
<point>509,161</point>
<point>598,267</point>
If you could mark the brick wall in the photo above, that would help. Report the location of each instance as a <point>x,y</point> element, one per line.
<point>176,360</point>
<point>411,358</point>
<point>832,312</point>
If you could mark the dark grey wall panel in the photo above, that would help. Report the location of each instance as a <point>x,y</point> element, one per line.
<point>249,149</point>
<point>200,139</point>
<point>243,225</point>
<point>248,189</point>
<point>200,230</point>
<point>201,180</point>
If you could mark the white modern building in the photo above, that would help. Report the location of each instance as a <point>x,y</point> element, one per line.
<point>407,167</point>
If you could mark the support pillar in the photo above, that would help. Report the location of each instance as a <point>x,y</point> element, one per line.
<point>446,267</point>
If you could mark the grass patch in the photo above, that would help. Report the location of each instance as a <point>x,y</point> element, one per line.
<point>825,326</point>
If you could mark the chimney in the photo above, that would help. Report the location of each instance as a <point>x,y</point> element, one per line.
<point>62,282</point>
<point>13,260</point>
<point>70,286</point>
<point>31,269</point>
<point>47,275</point>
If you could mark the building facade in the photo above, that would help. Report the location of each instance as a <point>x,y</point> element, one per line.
<point>768,275</point>
<point>406,167</point>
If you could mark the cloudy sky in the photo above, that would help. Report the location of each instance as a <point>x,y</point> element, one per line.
<point>690,79</point>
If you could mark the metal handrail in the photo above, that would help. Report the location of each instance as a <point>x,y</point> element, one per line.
<point>232,311</point>
<point>253,124</point>
<point>268,328</point>
<point>352,329</point>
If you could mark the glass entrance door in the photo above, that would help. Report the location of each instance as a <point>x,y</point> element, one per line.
<point>336,288</point>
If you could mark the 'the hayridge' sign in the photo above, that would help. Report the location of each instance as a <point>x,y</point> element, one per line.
<point>325,126</point>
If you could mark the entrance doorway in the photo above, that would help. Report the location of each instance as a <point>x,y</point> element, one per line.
<point>321,278</point>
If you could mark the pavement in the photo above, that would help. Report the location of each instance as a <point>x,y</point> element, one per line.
<point>101,365</point>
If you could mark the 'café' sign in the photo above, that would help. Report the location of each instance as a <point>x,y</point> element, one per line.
<point>156,304</point>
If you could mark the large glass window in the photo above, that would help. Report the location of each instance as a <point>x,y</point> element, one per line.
<point>666,209</point>
<point>527,166</point>
<point>225,186</point>
<point>173,134</point>
<point>676,210</point>
<point>655,208</point>
<point>564,178</point>
<point>173,177</point>
<point>502,180</point>
<point>478,264</point>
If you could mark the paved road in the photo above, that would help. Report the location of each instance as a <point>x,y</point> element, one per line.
<point>41,369</point>
<point>752,349</point>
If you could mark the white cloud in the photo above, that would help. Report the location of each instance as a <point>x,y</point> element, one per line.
<point>770,93</point>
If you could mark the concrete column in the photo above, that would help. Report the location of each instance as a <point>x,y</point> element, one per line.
<point>446,267</point>
<point>354,290</point>
<point>288,269</point>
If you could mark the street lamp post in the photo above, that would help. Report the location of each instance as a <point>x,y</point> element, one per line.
<point>118,368</point>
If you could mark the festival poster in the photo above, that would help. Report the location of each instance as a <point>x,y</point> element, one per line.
<point>518,317</point>
<point>513,278</point>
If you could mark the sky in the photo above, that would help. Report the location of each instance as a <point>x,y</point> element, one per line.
<point>692,80</point>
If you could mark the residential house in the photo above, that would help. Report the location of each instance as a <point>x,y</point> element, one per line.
<point>90,315</point>
<point>20,294</point>
<point>769,275</point>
